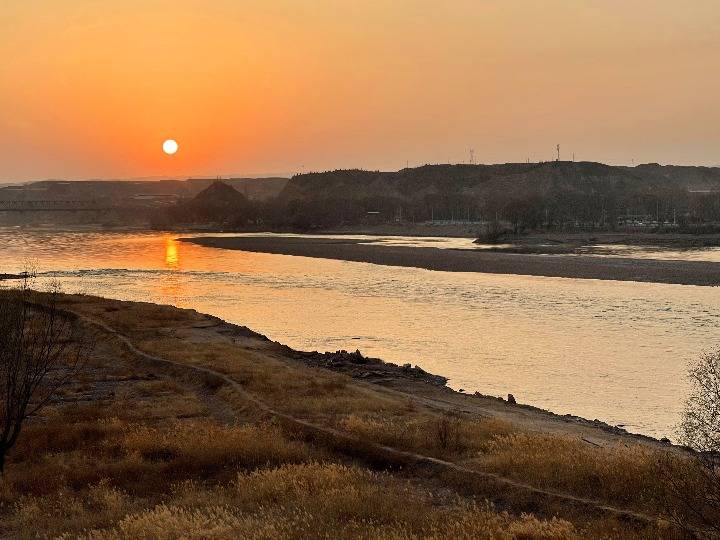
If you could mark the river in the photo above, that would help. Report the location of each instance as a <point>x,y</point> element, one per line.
<point>616,351</point>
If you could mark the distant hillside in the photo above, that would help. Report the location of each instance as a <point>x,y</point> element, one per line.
<point>557,195</point>
<point>478,179</point>
<point>218,203</point>
<point>692,178</point>
<point>136,193</point>
<point>255,189</point>
<point>218,194</point>
<point>525,194</point>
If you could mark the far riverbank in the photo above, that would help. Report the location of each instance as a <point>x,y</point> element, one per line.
<point>449,260</point>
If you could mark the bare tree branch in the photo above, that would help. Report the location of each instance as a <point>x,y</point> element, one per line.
<point>41,349</point>
<point>694,482</point>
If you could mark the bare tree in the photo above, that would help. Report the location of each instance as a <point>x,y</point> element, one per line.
<point>41,348</point>
<point>694,481</point>
<point>700,426</point>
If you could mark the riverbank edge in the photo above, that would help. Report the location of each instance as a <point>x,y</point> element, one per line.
<point>346,362</point>
<point>675,272</point>
<point>377,372</point>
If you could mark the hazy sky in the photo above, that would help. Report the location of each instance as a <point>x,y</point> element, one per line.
<point>92,88</point>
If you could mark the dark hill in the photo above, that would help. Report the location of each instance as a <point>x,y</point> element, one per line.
<point>218,194</point>
<point>477,179</point>
<point>255,189</point>
<point>218,203</point>
<point>525,194</point>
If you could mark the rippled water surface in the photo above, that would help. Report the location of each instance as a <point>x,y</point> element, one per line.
<point>616,351</point>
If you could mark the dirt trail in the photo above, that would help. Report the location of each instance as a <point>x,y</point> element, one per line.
<point>439,465</point>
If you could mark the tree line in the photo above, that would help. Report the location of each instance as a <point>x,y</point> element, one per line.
<point>611,208</point>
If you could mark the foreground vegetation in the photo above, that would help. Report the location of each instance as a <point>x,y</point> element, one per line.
<point>139,449</point>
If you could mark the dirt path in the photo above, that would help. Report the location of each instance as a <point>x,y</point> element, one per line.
<point>499,482</point>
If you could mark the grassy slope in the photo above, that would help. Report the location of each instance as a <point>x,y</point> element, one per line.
<point>138,450</point>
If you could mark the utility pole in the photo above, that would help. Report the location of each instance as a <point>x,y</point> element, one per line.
<point>472,157</point>
<point>558,152</point>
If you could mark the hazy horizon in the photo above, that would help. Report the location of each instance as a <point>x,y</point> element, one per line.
<point>153,178</point>
<point>91,90</point>
<point>262,175</point>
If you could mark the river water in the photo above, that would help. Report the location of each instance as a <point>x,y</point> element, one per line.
<point>616,351</point>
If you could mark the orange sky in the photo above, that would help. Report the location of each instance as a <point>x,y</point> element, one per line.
<point>92,88</point>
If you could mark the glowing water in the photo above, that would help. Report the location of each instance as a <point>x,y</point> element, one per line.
<point>616,351</point>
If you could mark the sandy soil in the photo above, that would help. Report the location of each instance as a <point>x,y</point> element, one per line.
<point>585,267</point>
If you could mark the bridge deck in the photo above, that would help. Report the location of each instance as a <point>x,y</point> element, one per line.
<point>52,206</point>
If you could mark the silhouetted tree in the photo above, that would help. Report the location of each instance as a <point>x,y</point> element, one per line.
<point>40,350</point>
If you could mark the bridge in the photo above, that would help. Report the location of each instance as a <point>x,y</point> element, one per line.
<point>53,206</point>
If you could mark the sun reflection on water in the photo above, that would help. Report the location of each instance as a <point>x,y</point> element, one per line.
<point>172,254</point>
<point>495,333</point>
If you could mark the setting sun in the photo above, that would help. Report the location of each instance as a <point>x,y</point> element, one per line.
<point>170,147</point>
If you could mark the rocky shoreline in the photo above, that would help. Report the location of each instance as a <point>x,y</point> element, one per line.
<point>371,369</point>
<point>375,370</point>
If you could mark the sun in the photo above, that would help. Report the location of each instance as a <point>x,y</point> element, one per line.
<point>170,147</point>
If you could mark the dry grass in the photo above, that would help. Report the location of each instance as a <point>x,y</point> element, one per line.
<point>291,388</point>
<point>443,436</point>
<point>322,501</point>
<point>201,480</point>
<point>134,465</point>
<point>624,475</point>
<point>201,449</point>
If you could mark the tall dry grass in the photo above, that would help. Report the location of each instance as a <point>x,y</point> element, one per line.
<point>202,448</point>
<point>201,480</point>
<point>134,466</point>
<point>323,501</point>
<point>436,435</point>
<point>627,475</point>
